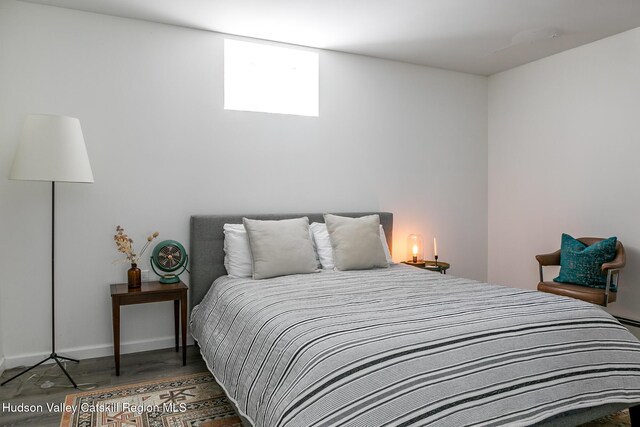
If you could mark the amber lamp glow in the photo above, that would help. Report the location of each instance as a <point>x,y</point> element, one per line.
<point>415,248</point>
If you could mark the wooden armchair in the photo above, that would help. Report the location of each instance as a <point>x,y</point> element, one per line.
<point>593,295</point>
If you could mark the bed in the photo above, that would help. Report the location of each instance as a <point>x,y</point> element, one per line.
<point>402,346</point>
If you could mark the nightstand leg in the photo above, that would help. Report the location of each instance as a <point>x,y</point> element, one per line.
<point>115,309</point>
<point>176,320</point>
<point>183,315</point>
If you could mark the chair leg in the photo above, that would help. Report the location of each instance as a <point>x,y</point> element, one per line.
<point>634,416</point>
<point>541,272</point>
<point>607,288</point>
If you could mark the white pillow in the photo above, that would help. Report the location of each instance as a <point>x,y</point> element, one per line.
<point>323,245</point>
<point>324,250</point>
<point>237,252</point>
<point>281,247</point>
<point>385,245</point>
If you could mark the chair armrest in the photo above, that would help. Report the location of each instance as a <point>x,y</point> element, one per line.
<point>550,259</point>
<point>613,265</point>
<point>618,262</point>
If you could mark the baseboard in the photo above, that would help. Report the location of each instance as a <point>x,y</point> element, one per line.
<point>88,352</point>
<point>630,322</point>
<point>2,367</point>
<point>633,329</point>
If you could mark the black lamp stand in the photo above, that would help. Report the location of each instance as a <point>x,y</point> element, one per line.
<point>53,355</point>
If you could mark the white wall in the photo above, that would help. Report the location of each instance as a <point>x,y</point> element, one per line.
<point>2,361</point>
<point>563,157</point>
<point>390,136</point>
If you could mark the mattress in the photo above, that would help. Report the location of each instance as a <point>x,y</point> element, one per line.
<point>407,347</point>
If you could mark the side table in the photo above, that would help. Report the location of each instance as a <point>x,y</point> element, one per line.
<point>150,292</point>
<point>441,267</point>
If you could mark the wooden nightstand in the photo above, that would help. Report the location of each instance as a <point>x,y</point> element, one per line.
<point>150,292</point>
<point>442,267</point>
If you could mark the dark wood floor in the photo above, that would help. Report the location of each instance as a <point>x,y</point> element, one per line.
<point>47,384</point>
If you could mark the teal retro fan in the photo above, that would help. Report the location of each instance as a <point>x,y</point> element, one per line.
<point>169,256</point>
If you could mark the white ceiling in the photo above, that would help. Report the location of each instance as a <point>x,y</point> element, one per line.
<point>474,36</point>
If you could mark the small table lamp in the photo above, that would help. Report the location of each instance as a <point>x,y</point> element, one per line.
<point>52,149</point>
<point>415,248</point>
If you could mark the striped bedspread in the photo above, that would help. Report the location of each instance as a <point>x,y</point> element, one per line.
<point>407,347</point>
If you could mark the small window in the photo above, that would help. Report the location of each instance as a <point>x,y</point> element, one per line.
<point>270,79</point>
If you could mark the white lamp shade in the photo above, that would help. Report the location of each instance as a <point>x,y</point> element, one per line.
<point>51,149</point>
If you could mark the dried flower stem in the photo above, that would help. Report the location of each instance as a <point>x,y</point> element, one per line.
<point>125,245</point>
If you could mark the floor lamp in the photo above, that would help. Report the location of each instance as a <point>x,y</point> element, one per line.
<point>51,149</point>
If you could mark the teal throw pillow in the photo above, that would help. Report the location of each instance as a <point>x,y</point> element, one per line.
<point>580,264</point>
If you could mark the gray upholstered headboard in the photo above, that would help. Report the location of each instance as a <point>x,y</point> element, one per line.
<point>207,238</point>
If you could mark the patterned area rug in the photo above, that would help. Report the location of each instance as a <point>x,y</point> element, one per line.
<point>190,400</point>
<point>619,419</point>
<point>185,401</point>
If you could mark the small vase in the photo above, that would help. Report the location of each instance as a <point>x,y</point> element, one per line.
<point>134,276</point>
